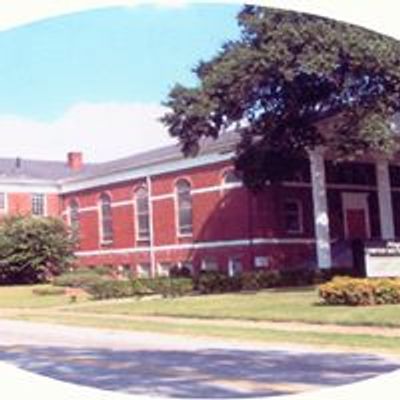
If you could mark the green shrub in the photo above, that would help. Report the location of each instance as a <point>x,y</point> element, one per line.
<point>297,277</point>
<point>360,291</point>
<point>110,289</point>
<point>33,249</point>
<point>48,291</point>
<point>217,282</point>
<point>80,278</point>
<point>177,287</point>
<point>113,289</point>
<point>182,272</point>
<point>261,279</point>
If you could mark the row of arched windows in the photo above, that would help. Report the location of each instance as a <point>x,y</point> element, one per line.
<point>184,210</point>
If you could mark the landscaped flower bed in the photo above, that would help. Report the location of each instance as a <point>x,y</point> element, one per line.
<point>360,291</point>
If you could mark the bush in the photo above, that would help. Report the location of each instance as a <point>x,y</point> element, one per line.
<point>262,279</point>
<point>80,278</point>
<point>48,291</point>
<point>167,287</point>
<point>110,289</point>
<point>33,250</point>
<point>360,291</point>
<point>183,272</point>
<point>217,282</point>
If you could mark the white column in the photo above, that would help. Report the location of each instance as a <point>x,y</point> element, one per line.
<point>385,200</point>
<point>321,218</point>
<point>153,266</point>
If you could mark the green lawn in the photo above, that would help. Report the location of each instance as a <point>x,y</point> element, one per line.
<point>282,305</point>
<point>16,297</point>
<point>359,342</point>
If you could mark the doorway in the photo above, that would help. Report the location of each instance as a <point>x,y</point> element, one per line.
<point>356,216</point>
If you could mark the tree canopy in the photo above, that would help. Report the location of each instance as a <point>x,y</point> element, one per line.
<point>292,82</point>
<point>34,249</point>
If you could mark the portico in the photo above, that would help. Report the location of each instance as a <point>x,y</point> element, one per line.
<point>355,207</point>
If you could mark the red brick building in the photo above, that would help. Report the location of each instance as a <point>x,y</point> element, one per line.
<point>155,210</point>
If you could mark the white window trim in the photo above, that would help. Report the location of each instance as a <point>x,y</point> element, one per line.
<point>231,261</point>
<point>45,212</point>
<point>69,212</point>
<point>159,269</point>
<point>301,217</point>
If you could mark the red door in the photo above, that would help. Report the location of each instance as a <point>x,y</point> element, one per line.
<point>356,224</point>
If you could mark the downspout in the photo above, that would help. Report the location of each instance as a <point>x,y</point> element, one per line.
<point>151,228</point>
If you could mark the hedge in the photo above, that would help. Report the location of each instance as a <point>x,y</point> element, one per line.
<point>218,282</point>
<point>81,278</point>
<point>360,291</point>
<point>167,287</point>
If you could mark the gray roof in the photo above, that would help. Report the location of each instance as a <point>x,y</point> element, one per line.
<point>22,169</point>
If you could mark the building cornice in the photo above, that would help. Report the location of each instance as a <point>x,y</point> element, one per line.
<point>130,174</point>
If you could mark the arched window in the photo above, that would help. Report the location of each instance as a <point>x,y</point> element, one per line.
<point>74,216</point>
<point>142,214</point>
<point>106,218</point>
<point>184,203</point>
<point>230,177</point>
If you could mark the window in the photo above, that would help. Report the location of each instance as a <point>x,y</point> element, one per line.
<point>106,218</point>
<point>2,201</point>
<point>164,269</point>
<point>142,214</point>
<point>209,264</point>
<point>186,268</point>
<point>125,271</point>
<point>184,201</point>
<point>230,177</point>
<point>38,204</point>
<point>261,262</point>
<point>350,173</point>
<point>235,266</point>
<point>293,221</point>
<point>74,216</point>
<point>143,270</point>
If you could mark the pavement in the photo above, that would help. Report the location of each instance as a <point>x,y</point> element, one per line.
<point>163,365</point>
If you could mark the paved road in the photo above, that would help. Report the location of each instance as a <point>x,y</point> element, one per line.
<point>172,366</point>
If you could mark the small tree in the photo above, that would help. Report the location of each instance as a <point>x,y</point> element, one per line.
<point>33,250</point>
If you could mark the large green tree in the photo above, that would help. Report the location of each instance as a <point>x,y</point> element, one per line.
<point>292,82</point>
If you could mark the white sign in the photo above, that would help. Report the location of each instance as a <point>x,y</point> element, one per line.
<point>384,261</point>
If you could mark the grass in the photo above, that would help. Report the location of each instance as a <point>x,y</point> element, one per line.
<point>17,297</point>
<point>349,341</point>
<point>301,305</point>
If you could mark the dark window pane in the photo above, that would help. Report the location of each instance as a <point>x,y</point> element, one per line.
<point>184,207</point>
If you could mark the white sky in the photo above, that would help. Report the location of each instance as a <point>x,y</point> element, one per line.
<point>99,130</point>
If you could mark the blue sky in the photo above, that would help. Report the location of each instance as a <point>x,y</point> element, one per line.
<point>119,54</point>
<point>94,81</point>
